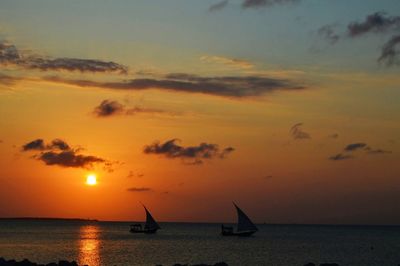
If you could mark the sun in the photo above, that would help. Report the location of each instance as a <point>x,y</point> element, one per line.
<point>91,180</point>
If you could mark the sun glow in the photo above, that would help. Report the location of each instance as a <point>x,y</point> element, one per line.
<point>91,180</point>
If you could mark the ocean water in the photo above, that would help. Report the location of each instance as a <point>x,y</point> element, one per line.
<point>110,243</point>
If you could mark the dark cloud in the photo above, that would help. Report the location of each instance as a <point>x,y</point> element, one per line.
<point>227,86</point>
<point>192,154</point>
<point>340,157</point>
<point>58,152</point>
<point>218,6</point>
<point>377,22</point>
<point>69,159</point>
<point>328,33</point>
<point>37,144</point>
<point>378,151</point>
<point>266,3</point>
<point>355,146</point>
<point>139,189</point>
<point>110,108</point>
<point>298,133</point>
<point>59,144</point>
<point>390,52</point>
<point>10,55</point>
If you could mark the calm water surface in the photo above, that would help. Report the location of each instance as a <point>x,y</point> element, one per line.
<point>110,243</point>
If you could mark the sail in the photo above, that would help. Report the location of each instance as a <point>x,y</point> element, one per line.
<point>244,222</point>
<point>151,224</point>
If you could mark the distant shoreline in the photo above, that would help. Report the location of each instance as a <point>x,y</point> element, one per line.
<point>270,224</point>
<point>49,219</point>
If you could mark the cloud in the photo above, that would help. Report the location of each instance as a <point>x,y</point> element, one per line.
<point>328,33</point>
<point>133,174</point>
<point>218,6</point>
<point>37,144</point>
<point>225,86</point>
<point>266,3</point>
<point>232,62</point>
<point>69,159</point>
<point>355,146</point>
<point>378,151</point>
<point>298,133</point>
<point>377,22</point>
<point>110,108</point>
<point>139,189</point>
<point>11,56</point>
<point>390,52</point>
<point>340,157</point>
<point>190,154</point>
<point>59,144</point>
<point>58,152</point>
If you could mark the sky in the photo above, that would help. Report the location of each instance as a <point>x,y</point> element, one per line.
<point>289,108</point>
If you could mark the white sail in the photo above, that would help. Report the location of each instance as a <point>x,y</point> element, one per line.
<point>244,222</point>
<point>151,224</point>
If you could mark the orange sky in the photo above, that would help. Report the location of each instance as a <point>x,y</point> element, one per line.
<point>241,106</point>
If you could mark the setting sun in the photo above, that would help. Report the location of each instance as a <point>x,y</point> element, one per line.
<point>91,180</point>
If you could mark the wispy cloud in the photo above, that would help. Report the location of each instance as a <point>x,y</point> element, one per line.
<point>139,189</point>
<point>340,157</point>
<point>11,56</point>
<point>225,86</point>
<point>231,62</point>
<point>190,154</point>
<point>298,133</point>
<point>391,51</point>
<point>266,3</point>
<point>328,33</point>
<point>377,22</point>
<point>218,6</point>
<point>58,152</point>
<point>134,174</point>
<point>350,149</point>
<point>109,108</point>
<point>355,146</point>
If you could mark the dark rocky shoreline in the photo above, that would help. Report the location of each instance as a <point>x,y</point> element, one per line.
<point>26,262</point>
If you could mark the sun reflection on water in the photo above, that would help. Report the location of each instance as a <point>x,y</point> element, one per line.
<point>89,245</point>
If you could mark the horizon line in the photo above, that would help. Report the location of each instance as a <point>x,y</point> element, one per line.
<point>126,221</point>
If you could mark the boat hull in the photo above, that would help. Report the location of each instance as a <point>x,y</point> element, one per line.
<point>242,234</point>
<point>152,231</point>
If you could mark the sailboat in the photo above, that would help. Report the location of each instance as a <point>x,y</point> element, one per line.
<point>245,227</point>
<point>150,227</point>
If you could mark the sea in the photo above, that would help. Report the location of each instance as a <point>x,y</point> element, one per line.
<point>110,243</point>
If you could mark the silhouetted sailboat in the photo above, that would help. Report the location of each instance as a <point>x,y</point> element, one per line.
<point>245,226</point>
<point>150,227</point>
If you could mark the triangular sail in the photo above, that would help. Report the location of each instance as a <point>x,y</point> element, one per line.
<point>244,222</point>
<point>151,224</point>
